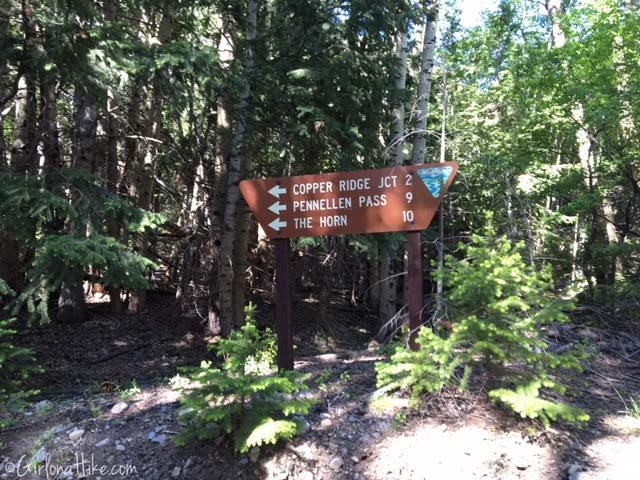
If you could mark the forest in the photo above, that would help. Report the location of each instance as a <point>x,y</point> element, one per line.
<point>139,297</point>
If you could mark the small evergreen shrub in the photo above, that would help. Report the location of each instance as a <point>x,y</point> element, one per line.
<point>497,306</point>
<point>16,364</point>
<point>246,397</point>
<point>64,226</point>
<point>424,371</point>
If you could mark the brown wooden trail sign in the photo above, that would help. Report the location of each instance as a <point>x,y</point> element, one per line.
<point>396,199</point>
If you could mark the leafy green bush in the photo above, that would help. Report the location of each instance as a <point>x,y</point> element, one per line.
<point>246,397</point>
<point>16,364</point>
<point>497,305</point>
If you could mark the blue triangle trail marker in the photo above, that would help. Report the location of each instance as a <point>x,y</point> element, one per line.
<point>435,178</point>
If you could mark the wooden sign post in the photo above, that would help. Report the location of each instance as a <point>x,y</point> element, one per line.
<point>396,199</point>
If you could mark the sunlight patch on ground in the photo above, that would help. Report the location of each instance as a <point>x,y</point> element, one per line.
<point>156,396</point>
<point>387,404</point>
<point>433,451</point>
<point>615,458</point>
<point>625,424</point>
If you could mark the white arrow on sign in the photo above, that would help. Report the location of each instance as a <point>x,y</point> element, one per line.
<point>277,208</point>
<point>277,190</point>
<point>277,224</point>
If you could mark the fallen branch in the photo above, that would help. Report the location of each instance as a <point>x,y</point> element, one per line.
<point>120,353</point>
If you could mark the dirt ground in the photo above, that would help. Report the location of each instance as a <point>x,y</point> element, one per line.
<point>106,410</point>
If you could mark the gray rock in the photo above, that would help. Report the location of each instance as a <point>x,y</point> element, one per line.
<point>120,447</point>
<point>161,439</point>
<point>383,427</point>
<point>119,408</point>
<point>573,469</point>
<point>582,475</point>
<point>336,463</point>
<point>303,425</point>
<point>306,475</point>
<point>102,443</point>
<point>304,452</point>
<point>254,454</point>
<point>76,434</point>
<point>40,456</point>
<point>175,473</point>
<point>42,405</point>
<point>151,435</point>
<point>244,461</point>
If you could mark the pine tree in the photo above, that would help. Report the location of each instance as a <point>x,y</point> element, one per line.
<point>498,305</point>
<point>16,364</point>
<point>245,397</point>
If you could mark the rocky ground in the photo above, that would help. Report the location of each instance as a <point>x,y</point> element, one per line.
<point>78,428</point>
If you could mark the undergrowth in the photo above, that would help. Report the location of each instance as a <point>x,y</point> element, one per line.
<point>246,397</point>
<point>497,306</point>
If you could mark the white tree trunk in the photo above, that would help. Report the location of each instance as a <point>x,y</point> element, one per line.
<point>443,152</point>
<point>386,291</point>
<point>218,175</point>
<point>424,87</point>
<point>400,80</point>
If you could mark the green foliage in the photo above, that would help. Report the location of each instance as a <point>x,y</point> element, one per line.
<point>96,411</point>
<point>16,364</point>
<point>34,216</point>
<point>424,371</point>
<point>130,392</point>
<point>632,408</point>
<point>246,397</point>
<point>525,400</point>
<point>497,305</point>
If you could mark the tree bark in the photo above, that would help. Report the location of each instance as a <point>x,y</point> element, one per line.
<point>424,87</point>
<point>400,81</point>
<point>190,257</point>
<point>142,187</point>
<point>240,262</point>
<point>414,239</point>
<point>388,296</point>
<point>24,145</point>
<point>443,154</point>
<point>218,175</point>
<point>71,303</point>
<point>10,269</point>
<point>386,291</point>
<point>112,128</point>
<point>50,133</point>
<point>5,15</point>
<point>236,160</point>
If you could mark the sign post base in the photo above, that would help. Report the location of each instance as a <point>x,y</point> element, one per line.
<point>283,305</point>
<point>414,277</point>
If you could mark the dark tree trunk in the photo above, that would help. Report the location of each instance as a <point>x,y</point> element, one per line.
<point>71,302</point>
<point>240,263</point>
<point>145,166</point>
<point>50,134</point>
<point>218,174</point>
<point>237,162</point>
